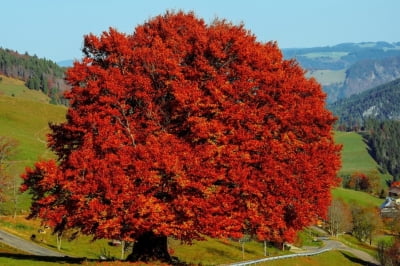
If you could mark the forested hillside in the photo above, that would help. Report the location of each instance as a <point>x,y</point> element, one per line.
<point>384,143</point>
<point>38,74</point>
<point>381,103</point>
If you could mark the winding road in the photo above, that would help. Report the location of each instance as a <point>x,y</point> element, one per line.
<point>337,245</point>
<point>329,245</point>
<point>27,246</point>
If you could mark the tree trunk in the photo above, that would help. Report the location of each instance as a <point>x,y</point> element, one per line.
<point>59,238</point>
<point>122,249</point>
<point>150,247</point>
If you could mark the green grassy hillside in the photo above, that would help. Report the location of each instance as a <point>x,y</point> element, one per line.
<point>328,77</point>
<point>356,197</point>
<point>27,122</point>
<point>355,156</point>
<point>16,88</point>
<point>24,116</point>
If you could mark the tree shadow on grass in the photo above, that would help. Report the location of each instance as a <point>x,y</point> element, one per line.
<point>357,260</point>
<point>237,247</point>
<point>68,260</point>
<point>65,259</point>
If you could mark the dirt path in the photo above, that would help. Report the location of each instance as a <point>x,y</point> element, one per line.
<point>27,246</point>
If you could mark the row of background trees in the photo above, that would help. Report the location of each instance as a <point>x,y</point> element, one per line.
<point>383,138</point>
<point>38,73</point>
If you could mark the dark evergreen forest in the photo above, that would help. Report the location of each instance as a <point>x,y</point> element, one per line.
<point>380,103</point>
<point>383,139</point>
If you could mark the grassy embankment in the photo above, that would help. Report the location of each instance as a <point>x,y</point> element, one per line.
<point>24,116</point>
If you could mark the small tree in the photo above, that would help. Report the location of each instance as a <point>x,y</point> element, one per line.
<point>358,181</point>
<point>187,130</point>
<point>8,147</point>
<point>375,185</point>
<point>366,222</point>
<point>383,253</point>
<point>339,217</point>
<point>389,253</point>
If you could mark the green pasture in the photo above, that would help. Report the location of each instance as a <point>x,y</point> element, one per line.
<point>332,55</point>
<point>16,88</point>
<point>331,258</point>
<point>355,156</point>
<point>328,77</point>
<point>356,197</point>
<point>24,116</point>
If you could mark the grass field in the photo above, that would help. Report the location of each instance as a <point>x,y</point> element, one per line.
<point>356,197</point>
<point>332,55</point>
<point>355,156</point>
<point>331,258</point>
<point>16,88</point>
<point>24,116</point>
<point>328,77</point>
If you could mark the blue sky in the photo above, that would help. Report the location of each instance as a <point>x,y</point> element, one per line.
<point>54,29</point>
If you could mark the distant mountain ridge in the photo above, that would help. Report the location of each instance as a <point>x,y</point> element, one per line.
<point>349,68</point>
<point>341,55</point>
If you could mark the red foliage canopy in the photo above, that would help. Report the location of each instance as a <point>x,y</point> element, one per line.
<point>185,129</point>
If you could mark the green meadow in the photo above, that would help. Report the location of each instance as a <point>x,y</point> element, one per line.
<point>16,88</point>
<point>355,156</point>
<point>327,76</point>
<point>24,116</point>
<point>357,197</point>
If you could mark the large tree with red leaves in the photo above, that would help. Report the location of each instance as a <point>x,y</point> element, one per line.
<point>186,130</point>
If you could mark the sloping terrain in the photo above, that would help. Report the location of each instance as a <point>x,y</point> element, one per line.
<point>381,103</point>
<point>24,116</point>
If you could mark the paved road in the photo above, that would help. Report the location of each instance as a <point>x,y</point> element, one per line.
<point>333,244</point>
<point>337,245</point>
<point>27,246</point>
<point>329,245</point>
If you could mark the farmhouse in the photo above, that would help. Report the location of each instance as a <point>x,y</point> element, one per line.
<point>391,206</point>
